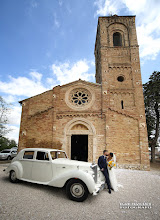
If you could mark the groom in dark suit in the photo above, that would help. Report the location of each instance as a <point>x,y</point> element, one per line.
<point>102,163</point>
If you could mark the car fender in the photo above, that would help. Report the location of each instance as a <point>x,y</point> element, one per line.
<point>17,167</point>
<point>60,180</point>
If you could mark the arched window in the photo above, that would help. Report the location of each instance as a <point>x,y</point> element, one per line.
<point>117,39</point>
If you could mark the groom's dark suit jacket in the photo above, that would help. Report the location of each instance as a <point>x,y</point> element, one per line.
<point>102,162</point>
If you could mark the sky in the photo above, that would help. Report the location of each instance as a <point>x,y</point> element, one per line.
<point>44,43</point>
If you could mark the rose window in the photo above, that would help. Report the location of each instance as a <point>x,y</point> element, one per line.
<point>80,97</point>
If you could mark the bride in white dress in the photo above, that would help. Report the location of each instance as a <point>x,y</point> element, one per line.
<point>111,171</point>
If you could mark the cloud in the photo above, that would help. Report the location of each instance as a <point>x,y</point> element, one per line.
<point>68,9</point>
<point>67,72</point>
<point>10,98</point>
<point>13,134</point>
<point>18,88</point>
<point>147,20</point>
<point>14,115</point>
<point>60,2</point>
<point>149,46</point>
<point>48,54</point>
<point>51,81</point>
<point>148,28</point>
<point>34,4</point>
<point>23,86</point>
<point>14,90</point>
<point>106,7</point>
<point>35,75</point>
<point>56,22</point>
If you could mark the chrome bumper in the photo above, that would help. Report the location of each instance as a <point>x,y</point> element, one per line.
<point>99,187</point>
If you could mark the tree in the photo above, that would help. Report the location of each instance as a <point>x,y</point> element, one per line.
<point>151,91</point>
<point>5,143</point>
<point>3,117</point>
<point>12,143</point>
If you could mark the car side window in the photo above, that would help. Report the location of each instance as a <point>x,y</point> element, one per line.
<point>53,155</point>
<point>61,154</point>
<point>42,155</point>
<point>5,151</point>
<point>28,155</point>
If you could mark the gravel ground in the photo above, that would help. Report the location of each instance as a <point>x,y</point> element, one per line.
<point>27,201</point>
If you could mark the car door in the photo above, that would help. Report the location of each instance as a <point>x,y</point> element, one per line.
<point>42,168</point>
<point>27,162</point>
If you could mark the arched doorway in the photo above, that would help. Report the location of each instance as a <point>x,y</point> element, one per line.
<point>79,147</point>
<point>80,140</point>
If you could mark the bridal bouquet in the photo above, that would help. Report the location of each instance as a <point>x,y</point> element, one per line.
<point>111,164</point>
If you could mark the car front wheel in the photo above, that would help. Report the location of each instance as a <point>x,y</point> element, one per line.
<point>9,158</point>
<point>76,190</point>
<point>13,177</point>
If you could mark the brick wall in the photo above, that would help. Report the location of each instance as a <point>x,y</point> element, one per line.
<point>49,119</point>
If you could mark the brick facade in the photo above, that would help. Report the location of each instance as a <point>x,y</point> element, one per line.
<point>113,116</point>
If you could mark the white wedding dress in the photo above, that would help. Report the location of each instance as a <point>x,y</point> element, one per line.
<point>112,176</point>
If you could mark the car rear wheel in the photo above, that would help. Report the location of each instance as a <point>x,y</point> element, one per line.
<point>13,177</point>
<point>76,190</point>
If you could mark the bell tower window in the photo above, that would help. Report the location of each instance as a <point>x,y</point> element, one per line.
<point>120,78</point>
<point>117,39</point>
<point>122,106</point>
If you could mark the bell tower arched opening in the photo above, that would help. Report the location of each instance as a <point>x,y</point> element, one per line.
<point>117,39</point>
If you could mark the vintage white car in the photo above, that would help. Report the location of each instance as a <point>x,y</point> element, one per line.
<point>52,167</point>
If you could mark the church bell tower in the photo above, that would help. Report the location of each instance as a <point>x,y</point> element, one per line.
<point>118,72</point>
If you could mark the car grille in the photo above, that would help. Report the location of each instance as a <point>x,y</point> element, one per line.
<point>95,169</point>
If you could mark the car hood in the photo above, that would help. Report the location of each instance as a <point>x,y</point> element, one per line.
<point>69,162</point>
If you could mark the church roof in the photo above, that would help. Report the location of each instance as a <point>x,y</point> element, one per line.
<point>81,81</point>
<point>67,84</point>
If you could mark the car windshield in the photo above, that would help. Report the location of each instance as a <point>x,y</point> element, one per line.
<point>5,151</point>
<point>57,154</point>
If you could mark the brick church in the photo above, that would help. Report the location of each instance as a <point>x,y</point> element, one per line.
<point>84,118</point>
